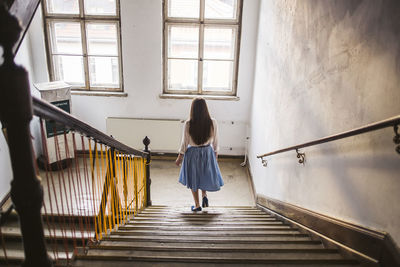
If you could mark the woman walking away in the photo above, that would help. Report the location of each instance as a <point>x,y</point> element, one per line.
<point>199,152</point>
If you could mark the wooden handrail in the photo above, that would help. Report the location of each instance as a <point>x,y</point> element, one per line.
<point>48,111</point>
<point>391,122</point>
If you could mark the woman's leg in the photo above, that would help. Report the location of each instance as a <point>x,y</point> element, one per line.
<point>204,198</point>
<point>196,197</point>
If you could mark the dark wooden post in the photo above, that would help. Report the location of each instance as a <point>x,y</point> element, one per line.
<point>146,142</point>
<point>15,115</point>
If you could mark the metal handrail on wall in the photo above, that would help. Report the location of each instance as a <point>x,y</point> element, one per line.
<point>390,122</point>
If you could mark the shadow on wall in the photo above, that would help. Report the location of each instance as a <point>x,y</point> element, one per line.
<point>339,66</point>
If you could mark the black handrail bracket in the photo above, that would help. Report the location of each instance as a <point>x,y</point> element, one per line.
<point>301,157</point>
<point>396,138</point>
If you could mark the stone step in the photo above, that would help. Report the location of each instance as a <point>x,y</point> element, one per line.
<point>55,218</point>
<point>276,232</point>
<point>214,249</point>
<point>204,223</point>
<point>150,263</point>
<point>204,227</point>
<point>216,207</point>
<point>137,245</point>
<point>15,252</point>
<point>188,210</point>
<point>203,215</point>
<point>12,232</point>
<point>205,211</point>
<point>220,239</point>
<point>239,254</point>
<point>203,218</point>
<point>212,256</point>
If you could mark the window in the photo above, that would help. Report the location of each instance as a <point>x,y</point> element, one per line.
<point>201,46</point>
<point>83,43</point>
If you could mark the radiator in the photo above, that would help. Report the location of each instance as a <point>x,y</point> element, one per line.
<point>165,134</point>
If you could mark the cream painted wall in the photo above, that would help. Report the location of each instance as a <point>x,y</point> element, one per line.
<point>141,25</point>
<point>324,67</point>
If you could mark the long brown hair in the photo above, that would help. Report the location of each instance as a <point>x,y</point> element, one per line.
<point>200,124</point>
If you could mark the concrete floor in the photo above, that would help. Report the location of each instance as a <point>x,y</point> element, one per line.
<point>166,190</point>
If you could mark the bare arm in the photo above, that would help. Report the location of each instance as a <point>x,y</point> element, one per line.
<point>184,144</point>
<point>215,141</point>
<point>179,159</point>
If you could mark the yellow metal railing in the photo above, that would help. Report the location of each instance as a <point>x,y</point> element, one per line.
<point>118,187</point>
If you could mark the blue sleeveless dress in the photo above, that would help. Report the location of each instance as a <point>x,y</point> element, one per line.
<point>200,169</point>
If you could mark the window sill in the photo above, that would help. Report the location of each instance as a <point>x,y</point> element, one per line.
<point>210,97</point>
<point>97,93</point>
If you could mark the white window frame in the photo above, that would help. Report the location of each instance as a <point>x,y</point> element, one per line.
<point>48,18</point>
<point>201,22</point>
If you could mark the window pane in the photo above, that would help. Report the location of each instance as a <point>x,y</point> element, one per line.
<point>66,37</point>
<point>219,43</point>
<point>101,7</point>
<point>182,74</point>
<point>63,6</point>
<point>69,69</point>
<point>220,9</point>
<point>184,8</point>
<point>217,75</point>
<point>183,42</point>
<point>104,72</point>
<point>102,39</point>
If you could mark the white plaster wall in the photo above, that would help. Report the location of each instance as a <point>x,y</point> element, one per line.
<point>141,26</point>
<point>324,67</point>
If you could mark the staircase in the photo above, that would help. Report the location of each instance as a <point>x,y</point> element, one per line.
<point>223,236</point>
<point>59,241</point>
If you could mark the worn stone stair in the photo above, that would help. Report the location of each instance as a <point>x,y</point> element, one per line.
<point>217,236</point>
<point>60,241</point>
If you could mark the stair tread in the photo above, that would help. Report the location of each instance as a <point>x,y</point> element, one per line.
<point>276,232</point>
<point>204,215</point>
<point>266,255</point>
<point>19,254</point>
<point>209,248</point>
<point>13,231</point>
<point>243,212</point>
<point>151,263</point>
<point>211,244</point>
<point>197,238</point>
<point>210,256</point>
<point>223,207</point>
<point>204,223</point>
<point>205,228</point>
<point>209,219</point>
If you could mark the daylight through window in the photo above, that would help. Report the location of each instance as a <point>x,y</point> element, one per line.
<point>83,43</point>
<point>201,43</point>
